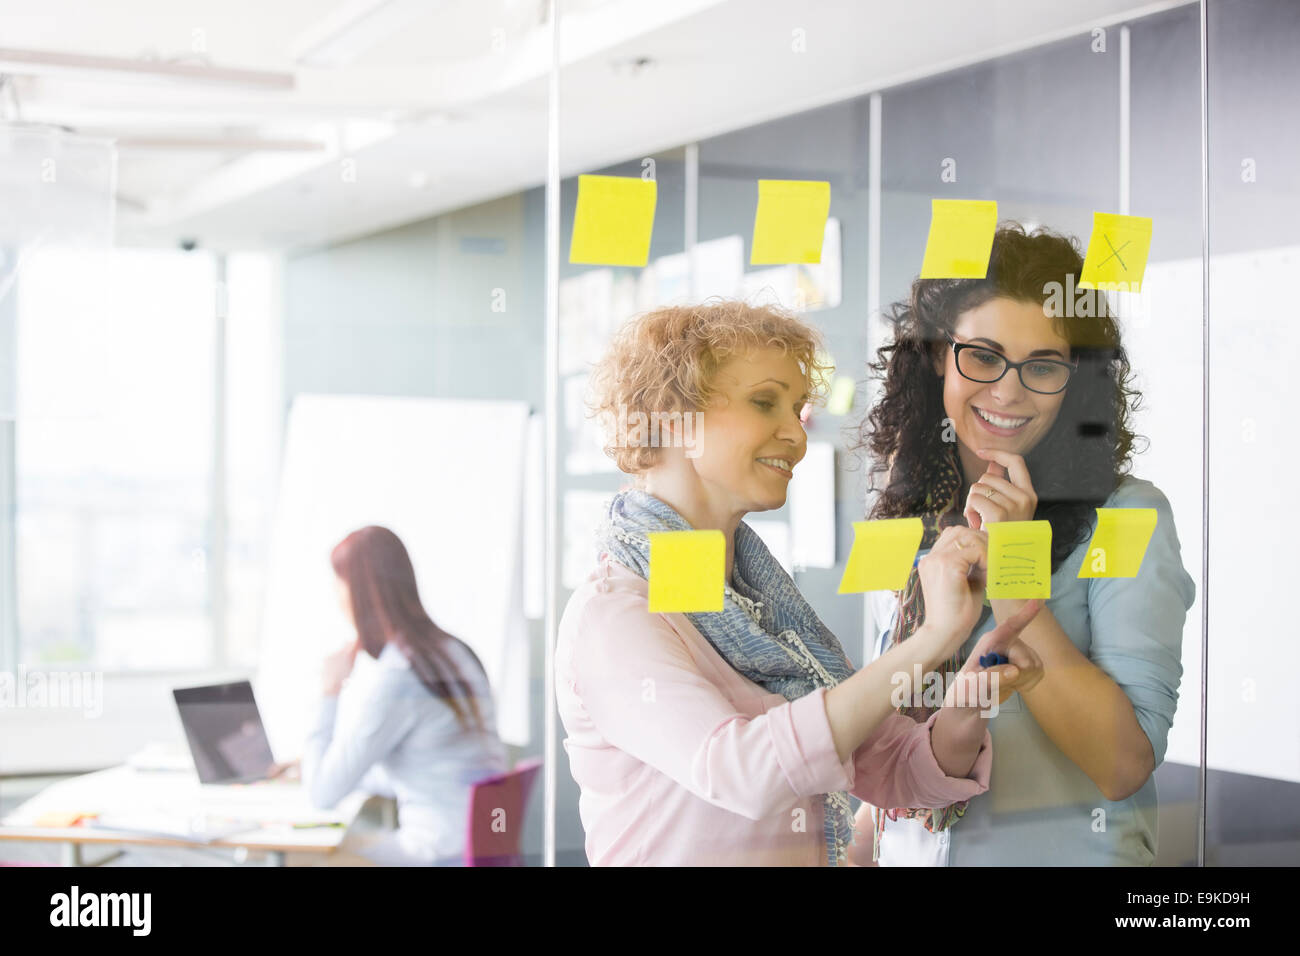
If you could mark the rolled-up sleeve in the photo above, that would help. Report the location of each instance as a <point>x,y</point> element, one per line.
<point>1137,623</point>
<point>896,767</point>
<point>646,697</point>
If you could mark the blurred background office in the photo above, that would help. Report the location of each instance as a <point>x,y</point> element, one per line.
<point>262,286</point>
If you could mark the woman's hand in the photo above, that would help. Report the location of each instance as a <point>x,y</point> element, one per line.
<point>337,666</point>
<point>1024,671</point>
<point>1003,493</point>
<point>952,584</point>
<point>290,770</point>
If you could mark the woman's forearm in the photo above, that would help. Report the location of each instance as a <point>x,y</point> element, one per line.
<point>955,738</point>
<point>1086,714</point>
<point>856,707</point>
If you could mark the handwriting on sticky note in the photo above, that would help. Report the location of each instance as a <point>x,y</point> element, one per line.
<point>1020,559</point>
<point>790,221</point>
<point>1117,252</point>
<point>1119,543</point>
<point>961,238</point>
<point>613,221</point>
<point>687,571</point>
<point>882,555</point>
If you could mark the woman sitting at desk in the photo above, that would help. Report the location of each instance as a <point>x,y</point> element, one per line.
<point>421,727</point>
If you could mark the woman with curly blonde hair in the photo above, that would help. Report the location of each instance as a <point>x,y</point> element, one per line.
<point>735,737</point>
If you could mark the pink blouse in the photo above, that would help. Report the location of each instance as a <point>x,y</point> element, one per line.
<point>683,761</point>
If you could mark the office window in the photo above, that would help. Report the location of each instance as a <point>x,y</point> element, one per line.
<point>113,460</point>
<point>252,440</point>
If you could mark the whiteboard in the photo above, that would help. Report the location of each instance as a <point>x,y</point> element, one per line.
<point>447,478</point>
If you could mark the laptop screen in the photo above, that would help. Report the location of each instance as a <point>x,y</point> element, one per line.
<point>225,732</point>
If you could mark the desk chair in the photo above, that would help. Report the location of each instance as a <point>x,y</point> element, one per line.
<point>497,807</point>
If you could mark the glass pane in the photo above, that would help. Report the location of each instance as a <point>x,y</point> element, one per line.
<point>1253,786</point>
<point>1075,790</point>
<point>312,434</point>
<point>412,341</point>
<point>595,298</point>
<point>1094,761</point>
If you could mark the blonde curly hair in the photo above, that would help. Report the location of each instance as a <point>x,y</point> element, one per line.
<point>665,361</point>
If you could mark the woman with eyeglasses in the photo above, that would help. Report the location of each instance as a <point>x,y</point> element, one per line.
<point>734,735</point>
<point>1003,401</point>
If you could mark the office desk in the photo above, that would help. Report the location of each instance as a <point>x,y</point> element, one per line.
<point>269,807</point>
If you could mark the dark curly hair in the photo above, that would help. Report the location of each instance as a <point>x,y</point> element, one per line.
<point>1089,447</point>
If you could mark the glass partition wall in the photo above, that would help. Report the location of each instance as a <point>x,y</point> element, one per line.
<point>414,389</point>
<point>1064,124</point>
<point>1252,757</point>
<point>234,459</point>
<point>791,207</point>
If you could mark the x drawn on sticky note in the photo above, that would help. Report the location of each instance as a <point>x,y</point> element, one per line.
<point>1119,543</point>
<point>687,571</point>
<point>1117,252</point>
<point>961,238</point>
<point>1020,559</point>
<point>790,221</point>
<point>882,555</point>
<point>613,221</point>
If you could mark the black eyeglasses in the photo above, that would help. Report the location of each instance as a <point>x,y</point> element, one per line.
<point>979,364</point>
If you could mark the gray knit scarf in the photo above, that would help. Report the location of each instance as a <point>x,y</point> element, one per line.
<point>766,630</point>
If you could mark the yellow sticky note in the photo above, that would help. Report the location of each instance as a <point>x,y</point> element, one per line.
<point>882,555</point>
<point>843,390</point>
<point>1117,252</point>
<point>613,221</point>
<point>790,221</point>
<point>1119,543</point>
<point>1020,559</point>
<point>687,570</point>
<point>961,238</point>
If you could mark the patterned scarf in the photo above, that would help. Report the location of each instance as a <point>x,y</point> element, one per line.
<point>942,508</point>
<point>766,630</point>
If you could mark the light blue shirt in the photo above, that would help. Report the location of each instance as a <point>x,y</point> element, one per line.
<point>393,737</point>
<point>1040,808</point>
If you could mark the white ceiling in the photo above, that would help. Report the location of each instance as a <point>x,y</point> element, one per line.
<point>447,105</point>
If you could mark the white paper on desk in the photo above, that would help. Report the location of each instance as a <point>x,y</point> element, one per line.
<point>176,826</point>
<point>811,498</point>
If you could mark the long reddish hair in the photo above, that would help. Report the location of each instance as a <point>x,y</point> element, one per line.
<point>374,564</point>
